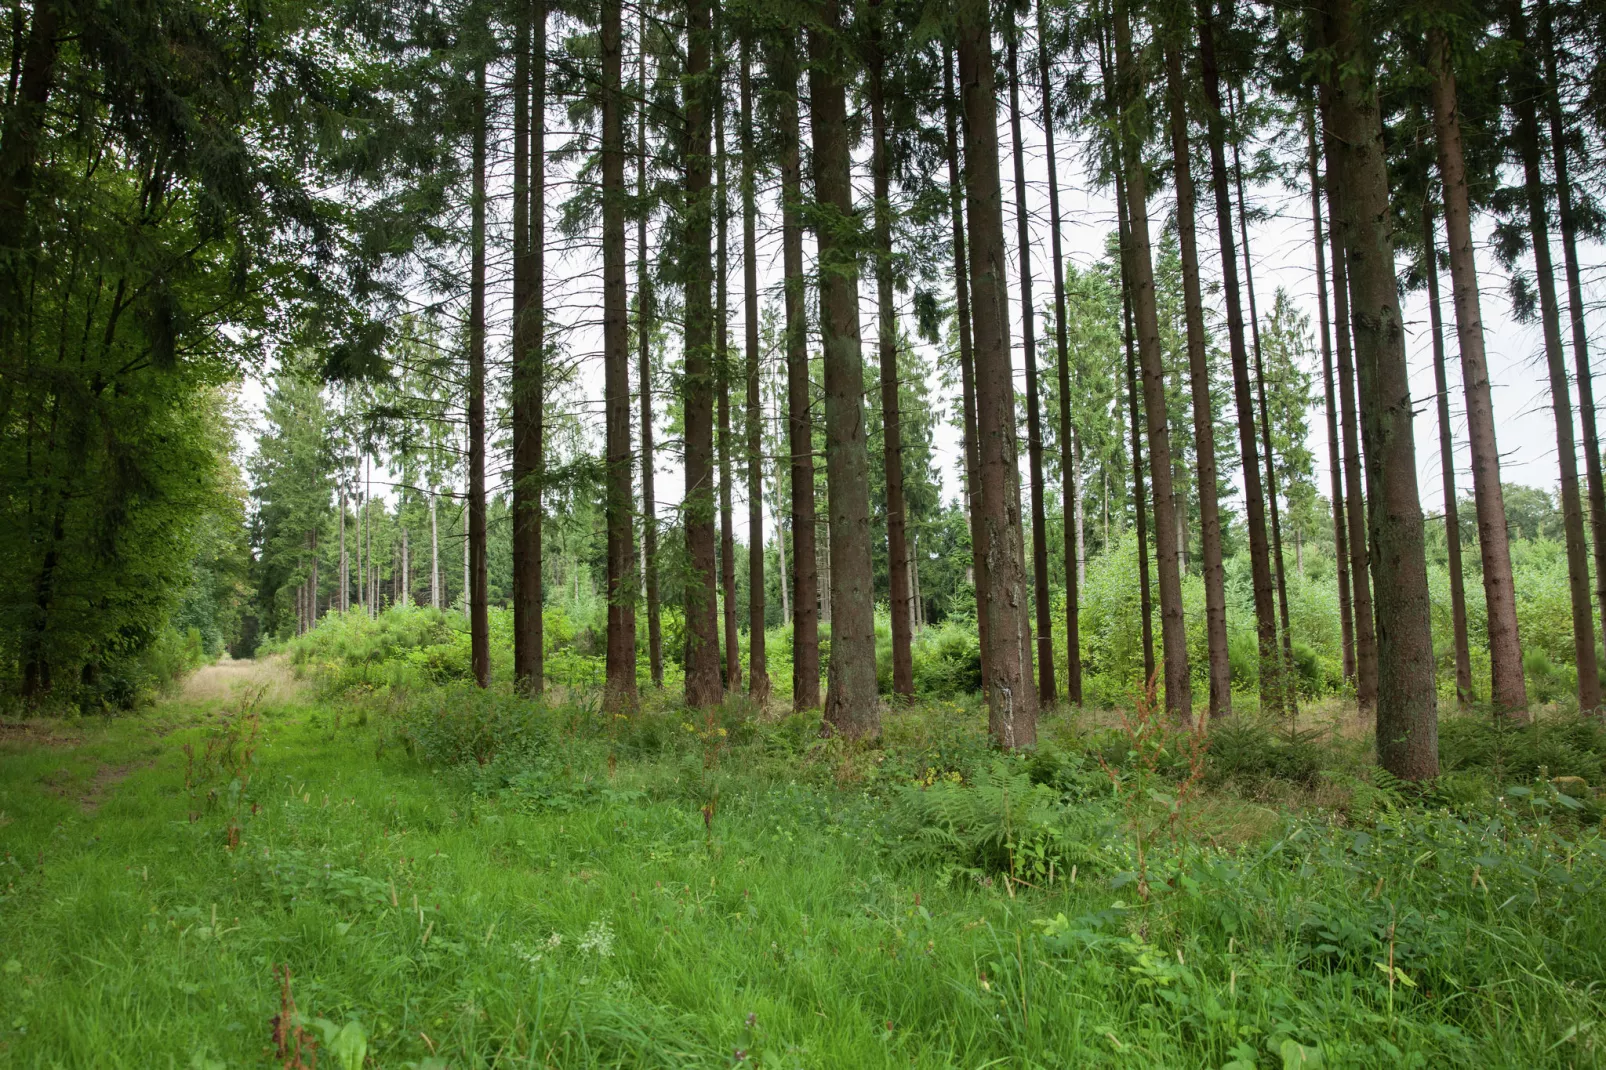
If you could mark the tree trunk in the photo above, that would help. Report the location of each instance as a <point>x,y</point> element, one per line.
<point>479,621</point>
<point>1568,221</point>
<point>1011,699</point>
<point>850,702</point>
<point>1279,566</point>
<point>900,594</point>
<point>1140,497</point>
<point>527,381</point>
<point>644,330</point>
<point>1070,481</point>
<point>1528,143</point>
<point>1508,689</point>
<point>758,678</point>
<point>799,418</point>
<point>1334,464</point>
<point>1407,707</point>
<point>434,555</point>
<point>19,150</point>
<point>967,366</point>
<point>1213,571</point>
<point>722,379</point>
<point>1452,522</point>
<point>1271,692</point>
<point>1070,492</point>
<point>1140,276</point>
<point>619,690</point>
<point>1047,694</point>
<point>345,567</point>
<point>703,685</point>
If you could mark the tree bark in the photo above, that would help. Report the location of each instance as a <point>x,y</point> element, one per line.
<point>1271,693</point>
<point>722,380</point>
<point>479,621</point>
<point>645,326</point>
<point>799,417</point>
<point>1011,699</point>
<point>1528,144</point>
<point>619,690</point>
<point>19,151</point>
<point>1508,688</point>
<point>1407,705</point>
<point>1213,572</point>
<point>1047,693</point>
<point>1140,496</point>
<point>434,555</point>
<point>900,593</point>
<point>528,386</point>
<point>1568,221</point>
<point>850,702</point>
<point>1069,482</point>
<point>1452,521</point>
<point>1334,463</point>
<point>967,365</point>
<point>758,678</point>
<point>703,684</point>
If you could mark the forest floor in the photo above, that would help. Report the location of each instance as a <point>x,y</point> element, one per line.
<point>250,866</point>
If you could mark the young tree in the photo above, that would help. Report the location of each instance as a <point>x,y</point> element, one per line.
<point>850,702</point>
<point>1011,699</point>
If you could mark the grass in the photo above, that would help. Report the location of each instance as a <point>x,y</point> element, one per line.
<point>670,891</point>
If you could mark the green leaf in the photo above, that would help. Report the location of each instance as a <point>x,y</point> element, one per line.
<point>1296,1056</point>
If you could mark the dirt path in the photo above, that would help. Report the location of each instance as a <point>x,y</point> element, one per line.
<point>226,679</point>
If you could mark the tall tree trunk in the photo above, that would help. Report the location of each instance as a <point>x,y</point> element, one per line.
<point>1271,692</point>
<point>434,555</point>
<point>900,594</point>
<point>1508,689</point>
<point>479,620</point>
<point>758,678</point>
<point>19,151</point>
<point>1011,699</point>
<point>1452,521</point>
<point>645,326</point>
<point>1568,221</point>
<point>1279,566</point>
<point>799,418</point>
<point>1334,464</point>
<point>1140,275</point>
<point>619,690</point>
<point>850,702</point>
<point>967,365</point>
<point>1528,144</point>
<point>1140,496</point>
<point>345,567</point>
<point>1204,434</point>
<point>527,384</point>
<point>722,379</point>
<point>703,684</point>
<point>1407,706</point>
<point>1047,694</point>
<point>1070,483</point>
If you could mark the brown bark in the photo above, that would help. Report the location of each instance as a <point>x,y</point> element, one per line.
<point>758,678</point>
<point>1069,492</point>
<point>967,367</point>
<point>900,595</point>
<point>19,151</point>
<point>1568,221</point>
<point>1452,521</point>
<point>799,418</point>
<point>644,332</point>
<point>479,621</point>
<point>1334,463</point>
<point>703,684</point>
<point>1271,693</point>
<point>722,380</point>
<point>529,344</point>
<point>1046,691</point>
<point>850,703</point>
<point>619,691</point>
<point>1212,571</point>
<point>1011,699</point>
<point>1508,688</point>
<point>1140,276</point>
<point>1407,705</point>
<point>1528,145</point>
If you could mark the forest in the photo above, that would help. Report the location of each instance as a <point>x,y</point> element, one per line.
<point>845,533</point>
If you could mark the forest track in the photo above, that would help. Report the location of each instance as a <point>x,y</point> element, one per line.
<point>226,680</point>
